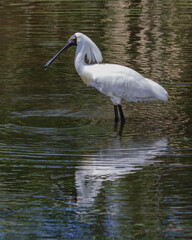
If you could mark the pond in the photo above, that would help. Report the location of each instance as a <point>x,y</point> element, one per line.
<point>69,172</point>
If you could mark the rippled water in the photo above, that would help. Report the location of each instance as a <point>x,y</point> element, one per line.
<point>67,172</point>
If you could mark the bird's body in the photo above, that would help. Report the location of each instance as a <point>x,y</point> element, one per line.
<point>120,82</point>
<point>113,80</point>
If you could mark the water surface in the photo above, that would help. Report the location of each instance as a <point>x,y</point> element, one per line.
<point>67,172</point>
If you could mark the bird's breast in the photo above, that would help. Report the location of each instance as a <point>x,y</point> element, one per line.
<point>86,77</point>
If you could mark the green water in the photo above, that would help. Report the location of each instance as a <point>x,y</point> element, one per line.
<point>66,172</point>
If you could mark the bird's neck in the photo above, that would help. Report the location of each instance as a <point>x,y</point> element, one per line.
<point>80,59</point>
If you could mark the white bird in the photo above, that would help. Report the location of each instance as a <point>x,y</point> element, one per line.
<point>113,80</point>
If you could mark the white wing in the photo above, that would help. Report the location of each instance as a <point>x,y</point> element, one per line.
<point>122,82</point>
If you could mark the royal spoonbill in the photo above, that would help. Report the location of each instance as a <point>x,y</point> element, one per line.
<point>113,80</point>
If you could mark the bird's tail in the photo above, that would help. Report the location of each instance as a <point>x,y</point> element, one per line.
<point>158,91</point>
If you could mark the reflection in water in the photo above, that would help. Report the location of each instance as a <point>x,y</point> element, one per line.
<point>112,162</point>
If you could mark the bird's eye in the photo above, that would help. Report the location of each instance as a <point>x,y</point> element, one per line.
<point>74,38</point>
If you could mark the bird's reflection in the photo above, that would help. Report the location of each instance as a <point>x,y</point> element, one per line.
<point>118,128</point>
<point>113,161</point>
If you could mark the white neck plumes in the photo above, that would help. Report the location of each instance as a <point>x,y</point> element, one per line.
<point>86,47</point>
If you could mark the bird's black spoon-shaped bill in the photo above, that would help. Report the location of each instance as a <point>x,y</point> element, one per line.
<point>52,59</point>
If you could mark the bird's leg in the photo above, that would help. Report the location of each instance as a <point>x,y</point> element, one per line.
<point>121,114</point>
<point>121,128</point>
<point>116,113</point>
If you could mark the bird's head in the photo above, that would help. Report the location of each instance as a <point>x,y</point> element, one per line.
<point>71,42</point>
<point>90,49</point>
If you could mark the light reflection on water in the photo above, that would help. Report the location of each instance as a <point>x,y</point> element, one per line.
<point>66,171</point>
<point>115,161</point>
<point>46,177</point>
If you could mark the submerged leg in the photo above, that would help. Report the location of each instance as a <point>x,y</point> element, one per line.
<point>116,113</point>
<point>118,128</point>
<point>121,114</point>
